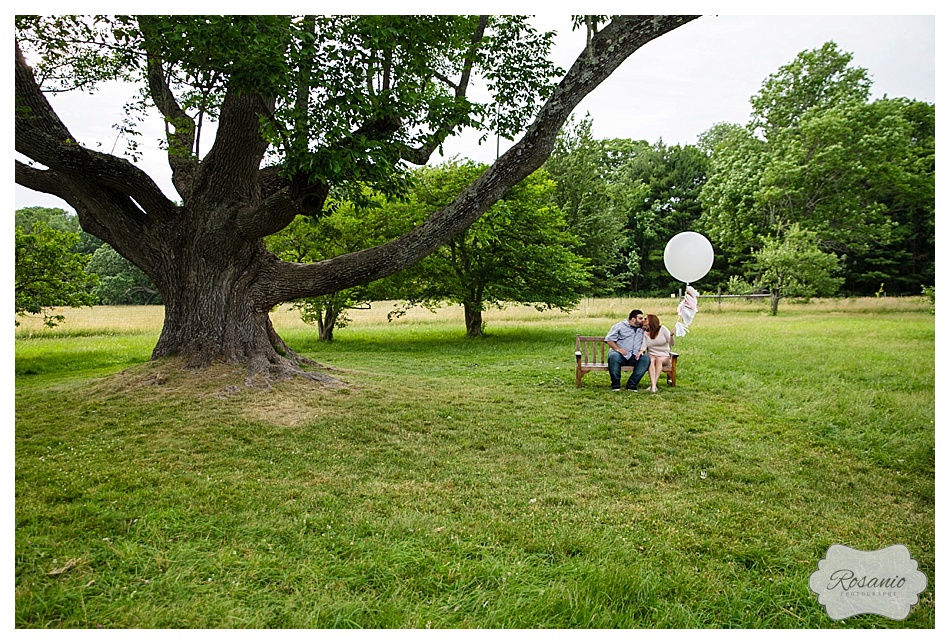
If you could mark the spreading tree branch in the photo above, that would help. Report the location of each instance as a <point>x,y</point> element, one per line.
<point>606,51</point>
<point>41,136</point>
<point>179,127</point>
<point>42,181</point>
<point>421,155</point>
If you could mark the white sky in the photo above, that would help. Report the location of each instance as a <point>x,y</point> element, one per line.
<point>673,89</point>
<point>705,72</point>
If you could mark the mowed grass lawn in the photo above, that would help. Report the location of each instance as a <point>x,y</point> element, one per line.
<point>468,483</point>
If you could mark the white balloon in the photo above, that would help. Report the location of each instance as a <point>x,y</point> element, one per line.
<point>688,256</point>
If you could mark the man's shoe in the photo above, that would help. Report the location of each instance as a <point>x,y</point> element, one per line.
<point>615,388</point>
<point>633,389</point>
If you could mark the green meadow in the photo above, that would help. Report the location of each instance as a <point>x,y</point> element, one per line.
<point>461,483</point>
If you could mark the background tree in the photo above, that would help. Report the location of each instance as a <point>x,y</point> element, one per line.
<point>816,153</point>
<point>120,281</point>
<point>817,79</point>
<point>346,229</point>
<point>657,189</point>
<point>57,219</point>
<point>308,240</point>
<point>48,273</point>
<point>791,265</point>
<point>624,200</point>
<point>582,168</point>
<point>519,251</point>
<point>301,105</point>
<point>731,216</point>
<point>906,188</point>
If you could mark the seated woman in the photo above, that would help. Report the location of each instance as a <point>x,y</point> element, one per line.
<point>658,341</point>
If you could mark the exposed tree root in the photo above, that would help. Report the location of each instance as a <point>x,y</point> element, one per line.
<point>218,379</point>
<point>264,371</point>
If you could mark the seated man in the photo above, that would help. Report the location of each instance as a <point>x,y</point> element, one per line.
<point>625,340</point>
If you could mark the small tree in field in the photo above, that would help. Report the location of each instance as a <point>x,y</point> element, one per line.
<point>519,251</point>
<point>303,105</point>
<point>792,266</point>
<point>346,229</point>
<point>49,273</point>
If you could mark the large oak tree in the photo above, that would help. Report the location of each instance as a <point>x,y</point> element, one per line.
<point>303,106</point>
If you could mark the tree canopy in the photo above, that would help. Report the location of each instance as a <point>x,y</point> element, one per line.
<point>583,169</point>
<point>816,79</point>
<point>624,200</point>
<point>57,219</point>
<point>818,154</point>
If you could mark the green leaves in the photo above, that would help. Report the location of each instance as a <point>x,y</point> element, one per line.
<point>519,251</point>
<point>48,273</point>
<point>343,98</point>
<point>816,79</point>
<point>78,52</point>
<point>793,265</point>
<point>518,72</point>
<point>817,154</point>
<point>624,200</point>
<point>120,281</point>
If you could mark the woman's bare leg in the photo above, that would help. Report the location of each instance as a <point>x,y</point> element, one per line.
<point>656,368</point>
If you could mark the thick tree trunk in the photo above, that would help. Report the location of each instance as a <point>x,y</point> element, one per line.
<point>217,309</point>
<point>230,326</point>
<point>225,326</point>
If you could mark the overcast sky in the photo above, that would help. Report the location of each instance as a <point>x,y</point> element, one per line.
<point>673,89</point>
<point>704,73</point>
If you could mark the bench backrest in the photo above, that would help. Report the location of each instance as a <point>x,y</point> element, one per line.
<point>592,348</point>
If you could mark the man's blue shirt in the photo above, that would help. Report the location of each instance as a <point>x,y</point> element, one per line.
<point>626,337</point>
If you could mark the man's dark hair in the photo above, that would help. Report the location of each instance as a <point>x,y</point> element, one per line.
<point>634,313</point>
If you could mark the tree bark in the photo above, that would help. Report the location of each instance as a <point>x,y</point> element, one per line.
<point>207,257</point>
<point>217,308</point>
<point>473,320</point>
<point>327,322</point>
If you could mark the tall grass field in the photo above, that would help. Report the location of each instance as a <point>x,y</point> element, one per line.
<point>468,483</point>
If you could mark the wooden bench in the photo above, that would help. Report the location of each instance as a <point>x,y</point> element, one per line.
<point>591,352</point>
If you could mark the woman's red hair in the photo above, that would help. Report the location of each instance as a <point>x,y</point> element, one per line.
<point>653,325</point>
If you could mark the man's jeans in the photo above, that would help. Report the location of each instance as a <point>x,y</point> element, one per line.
<point>615,361</point>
